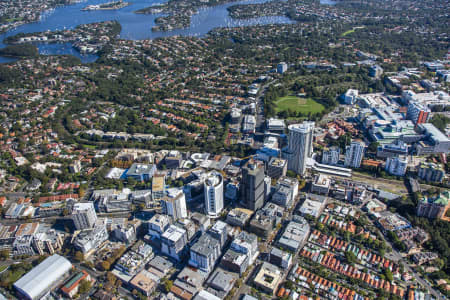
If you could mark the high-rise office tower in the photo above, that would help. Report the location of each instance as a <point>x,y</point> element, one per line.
<point>354,154</point>
<point>300,146</point>
<point>252,187</point>
<point>213,190</point>
<point>84,216</point>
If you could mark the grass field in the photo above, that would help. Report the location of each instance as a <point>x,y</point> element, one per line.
<point>352,30</point>
<point>348,32</point>
<point>296,104</point>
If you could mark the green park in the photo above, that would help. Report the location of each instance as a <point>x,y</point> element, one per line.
<point>298,104</point>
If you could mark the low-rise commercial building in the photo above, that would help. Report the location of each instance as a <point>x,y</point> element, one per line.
<point>43,278</point>
<point>144,282</point>
<point>174,241</point>
<point>235,261</point>
<point>280,258</point>
<point>204,253</point>
<point>70,288</point>
<point>268,278</point>
<point>265,219</point>
<point>313,205</point>
<point>221,282</point>
<point>157,225</point>
<point>276,167</point>
<point>187,283</point>
<point>435,141</point>
<point>141,172</point>
<point>276,125</point>
<point>286,192</point>
<point>295,234</point>
<point>239,217</point>
<point>246,243</point>
<point>321,184</point>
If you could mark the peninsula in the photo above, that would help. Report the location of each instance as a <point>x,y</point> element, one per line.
<point>107,6</point>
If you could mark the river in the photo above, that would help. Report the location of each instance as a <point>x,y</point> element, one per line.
<point>134,26</point>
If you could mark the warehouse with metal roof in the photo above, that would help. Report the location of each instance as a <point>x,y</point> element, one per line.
<point>42,278</point>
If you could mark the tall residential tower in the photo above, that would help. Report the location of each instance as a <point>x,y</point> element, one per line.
<point>213,188</point>
<point>300,147</point>
<point>354,154</point>
<point>84,216</point>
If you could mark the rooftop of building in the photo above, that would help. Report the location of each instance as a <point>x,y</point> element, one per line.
<point>322,180</point>
<point>268,276</point>
<point>277,162</point>
<point>440,199</point>
<point>213,179</point>
<point>205,295</point>
<point>74,280</point>
<point>37,281</point>
<point>158,182</point>
<point>219,226</point>
<point>272,122</point>
<point>206,245</point>
<point>161,264</point>
<point>174,233</point>
<point>221,280</point>
<point>145,281</point>
<point>84,206</point>
<point>302,127</point>
<point>139,169</point>
<point>435,133</point>
<point>234,257</point>
<point>174,193</point>
<point>160,220</point>
<point>431,165</point>
<point>245,237</point>
<point>191,277</point>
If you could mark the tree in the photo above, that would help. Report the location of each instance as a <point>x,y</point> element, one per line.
<point>373,147</point>
<point>111,278</point>
<point>440,121</point>
<point>289,284</point>
<point>79,256</point>
<point>85,286</point>
<point>388,274</point>
<point>350,257</point>
<point>105,265</point>
<point>4,254</point>
<point>347,237</point>
<point>168,285</point>
<point>81,192</point>
<point>291,173</point>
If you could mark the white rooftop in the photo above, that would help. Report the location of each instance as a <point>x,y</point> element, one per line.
<point>41,278</point>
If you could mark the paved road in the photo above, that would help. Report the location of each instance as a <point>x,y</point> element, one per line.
<point>396,256</point>
<point>246,288</point>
